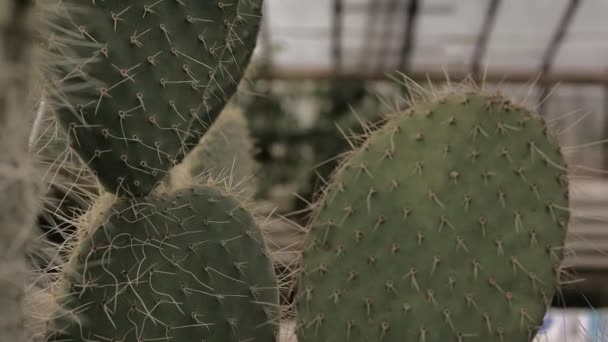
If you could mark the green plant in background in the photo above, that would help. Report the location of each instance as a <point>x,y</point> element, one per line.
<point>298,156</point>
<point>273,125</point>
<point>346,108</point>
<point>18,185</point>
<point>448,224</point>
<point>224,152</point>
<point>135,87</point>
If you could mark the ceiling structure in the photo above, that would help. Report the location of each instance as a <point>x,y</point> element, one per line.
<point>559,45</point>
<point>563,39</point>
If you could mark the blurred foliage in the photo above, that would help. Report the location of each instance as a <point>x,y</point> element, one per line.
<point>295,126</point>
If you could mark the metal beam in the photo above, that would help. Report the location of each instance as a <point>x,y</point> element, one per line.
<point>554,44</point>
<point>372,16</point>
<point>336,41</point>
<point>430,9</point>
<point>435,74</point>
<point>559,35</point>
<point>265,39</point>
<point>387,34</point>
<point>481,45</point>
<point>409,34</point>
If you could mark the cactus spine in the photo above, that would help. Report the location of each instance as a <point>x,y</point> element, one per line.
<point>18,191</point>
<point>447,224</point>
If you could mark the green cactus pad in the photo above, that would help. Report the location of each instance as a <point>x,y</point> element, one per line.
<point>225,151</point>
<point>447,225</point>
<point>190,266</point>
<point>139,82</point>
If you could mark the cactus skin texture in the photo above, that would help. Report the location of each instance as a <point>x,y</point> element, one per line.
<point>447,225</point>
<point>142,80</point>
<point>224,152</point>
<point>17,186</point>
<point>188,266</point>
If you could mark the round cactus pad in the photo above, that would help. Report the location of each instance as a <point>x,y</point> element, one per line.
<point>189,266</point>
<point>446,225</point>
<point>139,82</point>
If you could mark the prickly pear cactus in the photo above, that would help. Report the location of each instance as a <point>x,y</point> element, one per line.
<point>139,82</point>
<point>17,187</point>
<point>185,266</point>
<point>447,225</point>
<point>224,152</point>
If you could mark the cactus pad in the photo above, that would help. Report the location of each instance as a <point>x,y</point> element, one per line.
<point>189,266</point>
<point>447,225</point>
<point>139,82</point>
<point>225,151</point>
